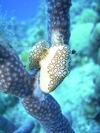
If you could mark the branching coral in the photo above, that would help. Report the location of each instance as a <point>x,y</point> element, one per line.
<point>8,127</point>
<point>15,80</point>
<point>58,24</point>
<point>54,63</point>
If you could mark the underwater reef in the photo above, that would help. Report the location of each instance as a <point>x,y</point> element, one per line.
<point>79,93</point>
<point>29,87</point>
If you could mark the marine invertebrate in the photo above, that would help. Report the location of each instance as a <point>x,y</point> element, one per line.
<point>27,127</point>
<point>37,53</point>
<point>38,104</point>
<point>8,127</point>
<point>58,22</point>
<point>54,63</point>
<point>55,67</point>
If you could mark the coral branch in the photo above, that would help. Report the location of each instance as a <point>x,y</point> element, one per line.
<point>6,125</point>
<point>58,20</point>
<point>26,127</point>
<point>37,103</point>
<point>15,80</point>
<point>47,111</point>
<point>11,70</point>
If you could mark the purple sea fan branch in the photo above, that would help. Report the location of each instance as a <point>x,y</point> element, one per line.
<point>40,105</point>
<point>47,111</point>
<point>15,80</point>
<point>58,20</point>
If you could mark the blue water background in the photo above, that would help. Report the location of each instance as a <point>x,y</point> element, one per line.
<point>21,9</point>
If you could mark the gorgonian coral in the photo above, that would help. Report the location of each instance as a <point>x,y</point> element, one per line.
<point>53,62</point>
